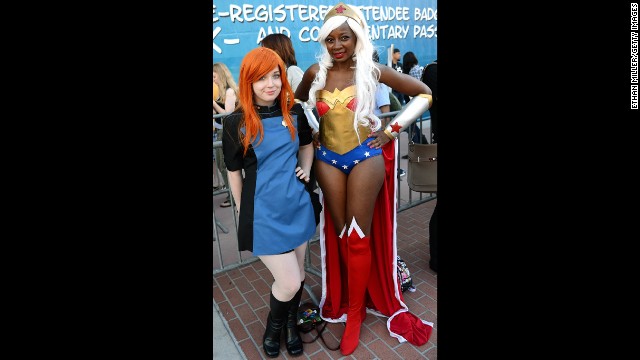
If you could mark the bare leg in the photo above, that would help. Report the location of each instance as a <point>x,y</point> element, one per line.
<point>363,186</point>
<point>333,183</point>
<point>285,269</point>
<point>286,274</point>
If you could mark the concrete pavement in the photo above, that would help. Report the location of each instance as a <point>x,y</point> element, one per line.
<point>224,347</point>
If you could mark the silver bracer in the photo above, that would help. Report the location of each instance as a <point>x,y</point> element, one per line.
<point>311,119</point>
<point>412,111</point>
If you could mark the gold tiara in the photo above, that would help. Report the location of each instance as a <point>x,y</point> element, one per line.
<point>343,10</point>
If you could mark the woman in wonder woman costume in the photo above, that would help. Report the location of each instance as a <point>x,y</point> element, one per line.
<point>356,169</point>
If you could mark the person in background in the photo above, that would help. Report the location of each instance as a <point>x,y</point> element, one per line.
<point>216,91</point>
<point>355,164</point>
<point>228,89</point>
<point>430,78</point>
<point>384,100</point>
<point>283,46</point>
<point>397,66</point>
<point>270,144</point>
<point>226,103</point>
<point>216,96</point>
<point>411,67</point>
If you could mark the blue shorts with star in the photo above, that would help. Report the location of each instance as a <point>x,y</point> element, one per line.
<point>347,161</point>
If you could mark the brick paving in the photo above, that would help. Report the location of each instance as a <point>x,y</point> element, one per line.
<point>242,296</point>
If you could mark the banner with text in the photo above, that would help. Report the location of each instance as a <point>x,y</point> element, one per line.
<point>240,26</point>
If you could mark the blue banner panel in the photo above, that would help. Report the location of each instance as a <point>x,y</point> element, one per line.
<point>409,25</point>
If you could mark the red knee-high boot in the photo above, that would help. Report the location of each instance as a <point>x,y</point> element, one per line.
<point>344,271</point>
<point>342,248</point>
<point>359,267</point>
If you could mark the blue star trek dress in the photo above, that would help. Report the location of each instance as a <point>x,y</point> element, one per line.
<point>276,214</point>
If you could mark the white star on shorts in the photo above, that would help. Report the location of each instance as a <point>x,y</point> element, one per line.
<point>334,162</point>
<point>345,167</point>
<point>366,153</point>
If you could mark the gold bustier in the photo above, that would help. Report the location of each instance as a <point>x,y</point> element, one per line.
<point>336,124</point>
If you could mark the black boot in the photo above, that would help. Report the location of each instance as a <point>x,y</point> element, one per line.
<point>294,343</point>
<point>275,322</point>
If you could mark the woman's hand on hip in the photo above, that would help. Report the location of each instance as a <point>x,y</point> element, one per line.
<point>380,139</point>
<point>302,175</point>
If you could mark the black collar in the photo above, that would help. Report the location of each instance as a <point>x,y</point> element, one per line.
<point>268,108</point>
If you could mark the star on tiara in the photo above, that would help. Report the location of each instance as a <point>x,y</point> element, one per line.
<point>343,9</point>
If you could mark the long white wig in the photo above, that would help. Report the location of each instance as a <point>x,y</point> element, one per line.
<point>366,74</point>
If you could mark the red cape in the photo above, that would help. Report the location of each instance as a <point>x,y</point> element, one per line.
<point>383,296</point>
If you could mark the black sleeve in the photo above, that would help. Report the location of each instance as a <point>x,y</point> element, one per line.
<point>232,148</point>
<point>304,130</point>
<point>430,77</point>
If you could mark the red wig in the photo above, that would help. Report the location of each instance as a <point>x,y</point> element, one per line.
<point>256,64</point>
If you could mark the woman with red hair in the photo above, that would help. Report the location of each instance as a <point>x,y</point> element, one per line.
<point>266,139</point>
